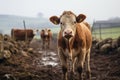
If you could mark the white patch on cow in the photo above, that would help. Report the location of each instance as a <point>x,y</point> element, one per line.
<point>36,33</point>
<point>67,24</point>
<point>46,31</point>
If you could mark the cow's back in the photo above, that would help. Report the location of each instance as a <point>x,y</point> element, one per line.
<point>19,34</point>
<point>88,25</point>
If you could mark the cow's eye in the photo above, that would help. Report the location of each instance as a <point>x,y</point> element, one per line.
<point>75,22</point>
<point>61,23</point>
<point>42,30</point>
<point>49,30</point>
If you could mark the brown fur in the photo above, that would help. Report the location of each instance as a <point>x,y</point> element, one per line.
<point>87,25</point>
<point>19,34</point>
<point>46,38</point>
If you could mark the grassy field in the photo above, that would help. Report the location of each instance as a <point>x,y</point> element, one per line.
<point>112,32</point>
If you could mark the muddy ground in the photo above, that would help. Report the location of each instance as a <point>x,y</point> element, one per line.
<point>45,65</point>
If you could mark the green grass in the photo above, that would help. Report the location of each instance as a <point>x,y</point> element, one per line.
<point>113,32</point>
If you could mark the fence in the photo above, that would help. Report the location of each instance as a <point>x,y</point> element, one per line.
<point>102,32</point>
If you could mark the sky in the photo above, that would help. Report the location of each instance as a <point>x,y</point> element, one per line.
<point>93,9</point>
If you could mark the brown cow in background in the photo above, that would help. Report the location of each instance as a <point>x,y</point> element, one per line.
<point>74,43</point>
<point>46,36</point>
<point>21,34</point>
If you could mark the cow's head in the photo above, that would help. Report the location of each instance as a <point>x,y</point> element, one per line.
<point>45,33</point>
<point>67,21</point>
<point>35,31</point>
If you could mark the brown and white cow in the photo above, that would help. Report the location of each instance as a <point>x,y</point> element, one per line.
<point>74,42</point>
<point>21,34</point>
<point>46,36</point>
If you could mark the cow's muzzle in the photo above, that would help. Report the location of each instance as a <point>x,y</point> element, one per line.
<point>68,34</point>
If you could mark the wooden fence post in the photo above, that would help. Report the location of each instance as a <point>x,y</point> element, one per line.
<point>25,31</point>
<point>1,43</point>
<point>100,31</point>
<point>93,29</point>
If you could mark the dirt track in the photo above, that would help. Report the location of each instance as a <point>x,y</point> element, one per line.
<point>45,65</point>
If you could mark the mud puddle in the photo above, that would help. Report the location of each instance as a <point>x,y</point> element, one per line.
<point>47,58</point>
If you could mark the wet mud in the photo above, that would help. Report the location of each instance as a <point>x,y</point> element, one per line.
<point>45,65</point>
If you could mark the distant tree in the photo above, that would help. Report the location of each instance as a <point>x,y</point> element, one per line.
<point>40,14</point>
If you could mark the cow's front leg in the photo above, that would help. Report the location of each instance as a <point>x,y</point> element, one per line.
<point>65,74</point>
<point>43,44</point>
<point>48,46</point>
<point>80,64</point>
<point>74,64</point>
<point>72,67</point>
<point>63,60</point>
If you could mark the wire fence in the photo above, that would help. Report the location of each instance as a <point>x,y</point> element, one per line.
<point>105,32</point>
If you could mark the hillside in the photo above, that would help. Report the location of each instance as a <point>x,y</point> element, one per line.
<point>11,21</point>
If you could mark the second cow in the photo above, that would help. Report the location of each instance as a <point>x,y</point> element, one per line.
<point>46,36</point>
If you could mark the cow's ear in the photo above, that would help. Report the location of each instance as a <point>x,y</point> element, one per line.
<point>55,20</point>
<point>42,30</point>
<point>49,30</point>
<point>80,18</point>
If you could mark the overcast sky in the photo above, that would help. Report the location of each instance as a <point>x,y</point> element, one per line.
<point>93,9</point>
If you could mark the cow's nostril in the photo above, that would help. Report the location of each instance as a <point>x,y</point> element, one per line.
<point>68,32</point>
<point>71,32</point>
<point>65,32</point>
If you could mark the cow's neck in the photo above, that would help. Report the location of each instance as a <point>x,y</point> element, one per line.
<point>69,44</point>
